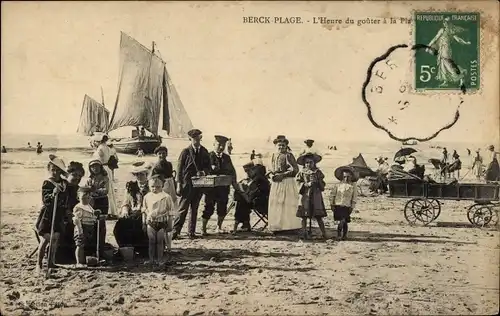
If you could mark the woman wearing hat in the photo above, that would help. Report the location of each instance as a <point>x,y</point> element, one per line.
<point>382,171</point>
<point>128,230</point>
<point>283,201</point>
<point>343,198</point>
<point>164,169</point>
<point>493,170</point>
<point>54,191</point>
<point>312,185</point>
<point>103,154</point>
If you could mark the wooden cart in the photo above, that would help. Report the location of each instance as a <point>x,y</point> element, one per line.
<point>424,205</point>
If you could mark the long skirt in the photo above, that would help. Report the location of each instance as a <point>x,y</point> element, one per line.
<point>283,205</point>
<point>112,210</point>
<point>169,187</point>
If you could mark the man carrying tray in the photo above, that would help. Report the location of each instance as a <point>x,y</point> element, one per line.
<point>221,164</point>
<point>193,161</point>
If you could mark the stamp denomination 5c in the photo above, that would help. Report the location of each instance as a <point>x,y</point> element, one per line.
<point>451,59</point>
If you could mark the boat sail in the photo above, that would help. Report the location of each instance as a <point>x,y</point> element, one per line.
<point>144,90</point>
<point>94,117</point>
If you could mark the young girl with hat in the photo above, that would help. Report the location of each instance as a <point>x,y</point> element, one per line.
<point>99,183</point>
<point>54,191</point>
<point>343,198</point>
<point>164,169</point>
<point>157,213</point>
<point>312,184</point>
<point>84,221</point>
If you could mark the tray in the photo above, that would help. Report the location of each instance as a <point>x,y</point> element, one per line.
<point>212,181</point>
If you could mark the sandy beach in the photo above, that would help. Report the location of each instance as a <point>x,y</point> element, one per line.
<point>387,267</point>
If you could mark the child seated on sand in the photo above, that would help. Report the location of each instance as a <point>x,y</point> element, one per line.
<point>53,192</point>
<point>311,185</point>
<point>157,213</point>
<point>84,220</point>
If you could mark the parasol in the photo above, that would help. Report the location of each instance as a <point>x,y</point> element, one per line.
<point>404,152</point>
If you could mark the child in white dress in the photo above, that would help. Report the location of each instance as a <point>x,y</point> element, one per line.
<point>157,213</point>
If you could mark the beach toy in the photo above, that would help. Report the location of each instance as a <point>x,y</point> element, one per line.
<point>91,261</point>
<point>127,253</point>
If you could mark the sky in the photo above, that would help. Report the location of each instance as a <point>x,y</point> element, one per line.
<point>241,80</point>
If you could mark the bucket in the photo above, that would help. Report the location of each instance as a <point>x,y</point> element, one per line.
<point>91,261</point>
<point>127,253</point>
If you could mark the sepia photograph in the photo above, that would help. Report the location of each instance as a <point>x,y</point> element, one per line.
<point>250,158</point>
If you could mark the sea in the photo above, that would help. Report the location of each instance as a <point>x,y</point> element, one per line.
<point>77,148</point>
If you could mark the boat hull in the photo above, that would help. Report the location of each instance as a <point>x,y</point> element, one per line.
<point>132,145</point>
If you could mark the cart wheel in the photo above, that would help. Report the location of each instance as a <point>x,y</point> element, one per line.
<point>480,214</point>
<point>408,212</point>
<point>437,208</point>
<point>425,210</point>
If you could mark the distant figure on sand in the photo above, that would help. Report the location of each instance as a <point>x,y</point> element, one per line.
<point>252,155</point>
<point>477,165</point>
<point>229,146</point>
<point>283,200</point>
<point>4,150</point>
<point>39,148</point>
<point>493,169</point>
<point>29,145</point>
<point>140,152</point>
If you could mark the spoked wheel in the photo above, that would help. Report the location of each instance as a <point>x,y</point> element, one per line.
<point>422,210</point>
<point>480,215</point>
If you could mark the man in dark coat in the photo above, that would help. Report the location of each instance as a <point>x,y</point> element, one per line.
<point>193,161</point>
<point>221,164</point>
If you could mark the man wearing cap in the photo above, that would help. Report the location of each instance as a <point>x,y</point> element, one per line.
<point>193,160</point>
<point>221,164</point>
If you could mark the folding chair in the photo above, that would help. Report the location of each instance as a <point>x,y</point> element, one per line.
<point>262,218</point>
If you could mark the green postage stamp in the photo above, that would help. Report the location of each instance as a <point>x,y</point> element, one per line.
<point>450,58</point>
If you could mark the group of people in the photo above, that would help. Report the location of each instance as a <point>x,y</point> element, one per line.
<point>157,202</point>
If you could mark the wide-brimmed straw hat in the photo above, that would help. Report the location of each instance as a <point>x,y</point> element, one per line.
<point>340,170</point>
<point>281,139</point>
<point>58,162</point>
<point>309,141</point>
<point>140,167</point>
<point>308,155</point>
<point>95,162</point>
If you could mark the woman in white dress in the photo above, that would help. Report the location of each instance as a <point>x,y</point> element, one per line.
<point>103,153</point>
<point>283,198</point>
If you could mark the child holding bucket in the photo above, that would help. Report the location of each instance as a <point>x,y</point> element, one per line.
<point>54,198</point>
<point>85,221</point>
<point>157,213</point>
<point>311,185</point>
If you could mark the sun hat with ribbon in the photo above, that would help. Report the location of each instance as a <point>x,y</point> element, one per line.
<point>58,162</point>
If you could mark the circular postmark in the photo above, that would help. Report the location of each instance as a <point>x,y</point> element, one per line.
<point>395,108</point>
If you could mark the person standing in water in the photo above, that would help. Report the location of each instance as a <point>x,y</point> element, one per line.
<point>39,148</point>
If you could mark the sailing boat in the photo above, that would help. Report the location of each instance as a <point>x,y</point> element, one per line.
<point>94,117</point>
<point>144,91</point>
